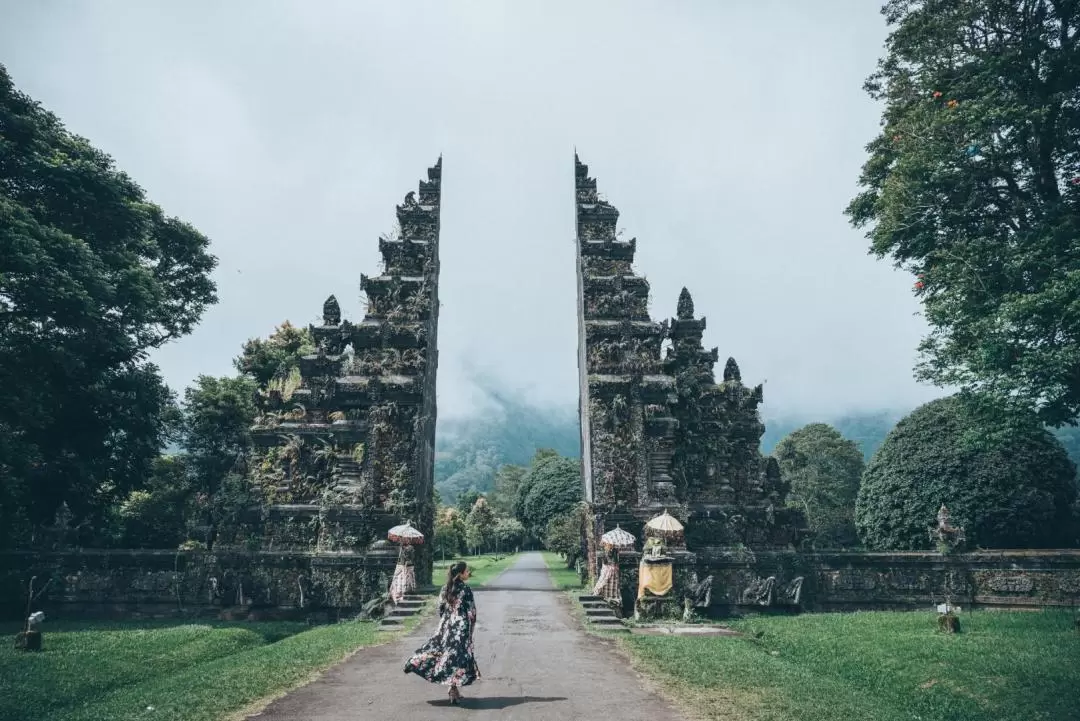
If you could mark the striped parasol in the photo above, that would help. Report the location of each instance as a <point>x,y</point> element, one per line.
<point>618,540</point>
<point>406,535</point>
<point>665,526</point>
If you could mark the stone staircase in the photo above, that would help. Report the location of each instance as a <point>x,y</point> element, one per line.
<point>395,616</point>
<point>599,614</point>
<point>347,476</point>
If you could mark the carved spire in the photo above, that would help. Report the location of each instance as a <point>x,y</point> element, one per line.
<point>685,310</point>
<point>731,371</point>
<point>331,311</point>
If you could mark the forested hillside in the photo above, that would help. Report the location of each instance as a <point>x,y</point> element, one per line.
<point>469,451</point>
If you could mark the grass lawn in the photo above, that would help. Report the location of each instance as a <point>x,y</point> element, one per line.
<point>484,568</point>
<point>875,667</point>
<point>92,671</point>
<point>563,577</point>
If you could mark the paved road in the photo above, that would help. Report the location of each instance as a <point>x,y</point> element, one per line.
<point>537,663</point>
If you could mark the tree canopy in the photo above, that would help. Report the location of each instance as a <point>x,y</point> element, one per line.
<point>823,469</point>
<point>551,487</point>
<point>1007,481</point>
<point>93,276</point>
<point>973,184</point>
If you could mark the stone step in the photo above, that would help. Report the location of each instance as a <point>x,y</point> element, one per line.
<point>585,598</point>
<point>599,613</point>
<point>594,604</point>
<point>400,613</point>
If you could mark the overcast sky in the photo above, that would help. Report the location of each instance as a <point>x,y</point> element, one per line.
<point>729,135</point>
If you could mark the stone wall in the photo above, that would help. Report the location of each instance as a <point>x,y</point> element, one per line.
<point>849,581</point>
<point>154,584</point>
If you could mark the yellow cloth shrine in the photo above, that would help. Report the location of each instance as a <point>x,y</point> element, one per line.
<point>654,578</point>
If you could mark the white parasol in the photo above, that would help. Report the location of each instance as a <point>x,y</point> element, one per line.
<point>406,535</point>
<point>664,525</point>
<point>618,540</point>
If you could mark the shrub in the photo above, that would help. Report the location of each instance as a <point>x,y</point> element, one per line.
<point>1006,479</point>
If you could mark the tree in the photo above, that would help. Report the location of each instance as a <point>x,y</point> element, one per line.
<point>93,277</point>
<point>823,469</point>
<point>1008,481</point>
<point>509,533</point>
<point>507,485</point>
<point>562,535</point>
<point>480,526</point>
<point>218,415</point>
<point>275,357</point>
<point>467,500</point>
<point>449,532</point>
<point>974,185</point>
<point>155,517</point>
<point>553,486</point>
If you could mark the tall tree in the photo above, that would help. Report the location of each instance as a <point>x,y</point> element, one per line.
<point>507,485</point>
<point>974,184</point>
<point>823,469</point>
<point>480,526</point>
<point>92,277</point>
<point>218,414</point>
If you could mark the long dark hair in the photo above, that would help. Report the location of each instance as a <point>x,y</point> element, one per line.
<point>450,589</point>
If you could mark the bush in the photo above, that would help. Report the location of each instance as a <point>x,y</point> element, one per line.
<point>1005,479</point>
<point>823,469</point>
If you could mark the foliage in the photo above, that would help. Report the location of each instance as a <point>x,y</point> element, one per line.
<point>1007,481</point>
<point>823,469</point>
<point>551,487</point>
<point>504,495</point>
<point>828,667</point>
<point>102,670</point>
<point>467,500</point>
<point>480,526</point>
<point>562,535</point>
<point>509,533</point>
<point>974,184</point>
<point>155,517</point>
<point>92,278</point>
<point>277,356</point>
<point>449,538</point>
<point>218,414</point>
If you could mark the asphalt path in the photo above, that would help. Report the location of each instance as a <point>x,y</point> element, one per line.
<point>536,662</point>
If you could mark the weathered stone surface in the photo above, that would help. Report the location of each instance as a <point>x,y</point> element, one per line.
<point>347,450</point>
<point>192,583</point>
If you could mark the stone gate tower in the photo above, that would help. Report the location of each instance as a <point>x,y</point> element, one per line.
<point>347,445</point>
<point>625,395</point>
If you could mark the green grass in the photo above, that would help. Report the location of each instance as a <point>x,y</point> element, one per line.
<point>92,671</point>
<point>564,578</point>
<point>875,667</point>
<point>484,568</point>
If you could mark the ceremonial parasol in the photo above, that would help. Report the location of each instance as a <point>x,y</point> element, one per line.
<point>665,525</point>
<point>406,535</point>
<point>618,540</point>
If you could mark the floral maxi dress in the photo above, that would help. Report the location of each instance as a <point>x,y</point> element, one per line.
<point>448,657</point>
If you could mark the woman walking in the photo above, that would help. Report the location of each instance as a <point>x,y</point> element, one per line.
<point>447,657</point>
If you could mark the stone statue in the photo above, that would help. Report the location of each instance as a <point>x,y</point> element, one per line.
<point>947,536</point>
<point>698,595</point>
